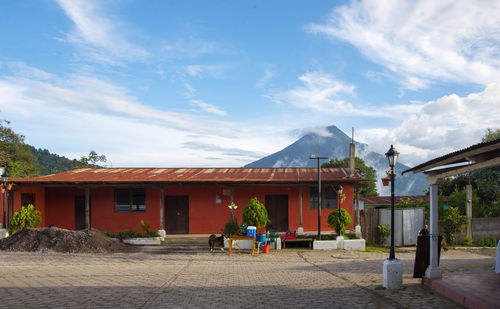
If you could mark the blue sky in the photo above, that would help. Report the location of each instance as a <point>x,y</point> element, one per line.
<point>223,83</point>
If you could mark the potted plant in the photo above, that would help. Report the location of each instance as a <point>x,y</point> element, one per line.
<point>255,214</point>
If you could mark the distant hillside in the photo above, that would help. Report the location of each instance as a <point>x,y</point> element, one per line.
<point>50,163</point>
<point>336,145</point>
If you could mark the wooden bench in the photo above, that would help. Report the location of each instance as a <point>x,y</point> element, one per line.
<point>231,238</point>
<point>309,241</point>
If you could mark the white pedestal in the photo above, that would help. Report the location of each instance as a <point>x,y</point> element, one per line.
<point>392,274</point>
<point>3,233</point>
<point>300,231</point>
<point>340,242</point>
<point>357,231</point>
<point>162,234</point>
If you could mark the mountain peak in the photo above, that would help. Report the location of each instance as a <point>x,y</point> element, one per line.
<point>332,143</point>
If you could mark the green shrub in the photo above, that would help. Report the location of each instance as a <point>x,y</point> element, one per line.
<point>129,234</point>
<point>383,231</point>
<point>231,228</point>
<point>255,214</point>
<point>488,242</point>
<point>453,223</point>
<point>339,225</point>
<point>27,217</point>
<point>146,230</point>
<point>467,241</point>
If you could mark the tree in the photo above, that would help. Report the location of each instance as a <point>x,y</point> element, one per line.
<point>93,160</point>
<point>339,225</point>
<point>368,172</point>
<point>255,214</point>
<point>15,155</point>
<point>491,135</point>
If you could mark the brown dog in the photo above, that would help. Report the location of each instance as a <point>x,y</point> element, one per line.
<point>216,241</point>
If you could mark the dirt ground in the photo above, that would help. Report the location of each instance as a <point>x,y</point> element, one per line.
<point>55,239</point>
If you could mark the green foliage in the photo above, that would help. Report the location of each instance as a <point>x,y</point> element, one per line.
<point>383,231</point>
<point>453,223</point>
<point>231,228</point>
<point>50,163</point>
<point>488,242</point>
<point>467,241</point>
<point>368,172</point>
<point>27,217</point>
<point>255,214</point>
<point>339,225</point>
<point>243,229</point>
<point>93,160</point>
<point>15,155</point>
<point>146,232</point>
<point>491,135</point>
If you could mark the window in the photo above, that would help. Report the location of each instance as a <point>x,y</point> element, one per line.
<point>329,197</point>
<point>130,200</point>
<point>27,199</point>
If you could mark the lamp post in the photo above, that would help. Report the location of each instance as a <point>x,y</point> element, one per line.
<point>339,195</point>
<point>392,156</point>
<point>393,268</point>
<point>5,179</point>
<point>315,157</point>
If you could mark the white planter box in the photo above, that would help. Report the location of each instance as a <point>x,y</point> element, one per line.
<point>349,244</point>
<point>239,244</point>
<point>324,244</point>
<point>355,244</point>
<point>143,241</point>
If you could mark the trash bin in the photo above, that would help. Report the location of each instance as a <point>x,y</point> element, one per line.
<point>422,255</point>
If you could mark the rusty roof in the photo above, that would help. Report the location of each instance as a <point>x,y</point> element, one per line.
<point>294,175</point>
<point>386,200</point>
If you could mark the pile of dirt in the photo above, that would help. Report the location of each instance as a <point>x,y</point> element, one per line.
<point>62,240</point>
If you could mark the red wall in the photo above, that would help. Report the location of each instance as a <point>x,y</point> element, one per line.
<point>57,205</point>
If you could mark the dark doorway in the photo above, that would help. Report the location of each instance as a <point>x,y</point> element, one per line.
<point>277,209</point>
<point>177,214</point>
<point>80,213</point>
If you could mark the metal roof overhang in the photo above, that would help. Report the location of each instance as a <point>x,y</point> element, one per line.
<point>479,156</point>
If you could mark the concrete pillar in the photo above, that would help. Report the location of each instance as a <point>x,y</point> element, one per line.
<point>162,194</point>
<point>300,230</point>
<point>433,271</point>
<point>468,209</point>
<point>87,208</point>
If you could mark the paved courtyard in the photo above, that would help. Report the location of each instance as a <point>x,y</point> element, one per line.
<point>190,277</point>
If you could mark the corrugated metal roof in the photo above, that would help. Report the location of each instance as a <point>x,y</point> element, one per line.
<point>194,175</point>
<point>485,150</point>
<point>386,200</point>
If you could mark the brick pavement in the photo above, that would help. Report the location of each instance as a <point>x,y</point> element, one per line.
<point>175,278</point>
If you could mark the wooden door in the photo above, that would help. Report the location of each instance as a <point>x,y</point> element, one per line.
<point>277,209</point>
<point>80,213</point>
<point>177,214</point>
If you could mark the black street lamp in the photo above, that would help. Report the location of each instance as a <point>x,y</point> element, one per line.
<point>315,157</point>
<point>339,195</point>
<point>5,179</point>
<point>392,157</point>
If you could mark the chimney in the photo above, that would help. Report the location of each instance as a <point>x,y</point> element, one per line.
<point>352,154</point>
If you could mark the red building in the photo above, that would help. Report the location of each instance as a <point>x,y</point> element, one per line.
<point>182,200</point>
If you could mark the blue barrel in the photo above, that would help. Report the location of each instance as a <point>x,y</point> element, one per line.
<point>262,239</point>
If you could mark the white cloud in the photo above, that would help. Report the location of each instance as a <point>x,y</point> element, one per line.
<point>209,108</point>
<point>100,35</point>
<point>437,127</point>
<point>319,92</point>
<point>423,41</point>
<point>268,75</point>
<point>200,70</point>
<point>73,115</point>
